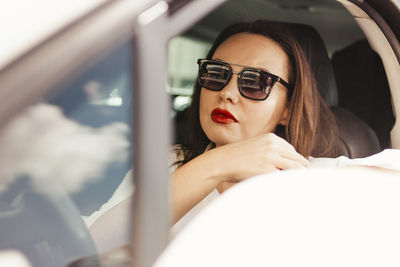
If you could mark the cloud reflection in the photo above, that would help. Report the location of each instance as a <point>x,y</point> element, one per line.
<point>52,149</point>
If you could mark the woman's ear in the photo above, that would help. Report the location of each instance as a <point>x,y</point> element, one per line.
<point>285,114</point>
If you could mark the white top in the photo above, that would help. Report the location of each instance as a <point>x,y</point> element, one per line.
<point>388,159</point>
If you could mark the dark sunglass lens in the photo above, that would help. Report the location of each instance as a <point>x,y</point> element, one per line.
<point>255,85</point>
<point>213,75</point>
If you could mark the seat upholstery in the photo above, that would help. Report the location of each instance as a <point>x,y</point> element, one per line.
<point>363,87</point>
<point>357,138</point>
<point>315,51</point>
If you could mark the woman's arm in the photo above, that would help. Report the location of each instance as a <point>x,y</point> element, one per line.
<point>230,164</point>
<point>194,181</point>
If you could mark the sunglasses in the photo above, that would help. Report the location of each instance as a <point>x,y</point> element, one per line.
<point>253,83</point>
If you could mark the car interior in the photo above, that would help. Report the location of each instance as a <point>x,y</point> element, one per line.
<point>356,73</point>
<point>362,108</point>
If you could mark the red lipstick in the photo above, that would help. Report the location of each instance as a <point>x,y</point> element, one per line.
<point>222,116</point>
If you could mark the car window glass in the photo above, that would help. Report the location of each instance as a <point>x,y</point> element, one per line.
<point>67,155</point>
<point>99,98</point>
<point>183,53</point>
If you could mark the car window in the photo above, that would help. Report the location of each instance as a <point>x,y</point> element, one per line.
<point>101,97</point>
<point>183,52</point>
<point>67,153</point>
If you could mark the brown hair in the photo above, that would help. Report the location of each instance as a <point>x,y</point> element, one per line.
<point>311,126</point>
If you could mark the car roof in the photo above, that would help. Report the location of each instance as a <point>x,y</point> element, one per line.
<point>26,23</point>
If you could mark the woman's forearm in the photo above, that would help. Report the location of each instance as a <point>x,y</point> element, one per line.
<point>194,181</point>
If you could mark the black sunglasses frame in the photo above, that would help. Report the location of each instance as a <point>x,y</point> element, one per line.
<point>274,77</point>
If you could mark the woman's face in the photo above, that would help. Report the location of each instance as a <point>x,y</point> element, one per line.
<point>251,118</point>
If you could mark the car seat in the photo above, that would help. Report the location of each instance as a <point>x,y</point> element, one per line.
<point>363,87</point>
<point>357,138</point>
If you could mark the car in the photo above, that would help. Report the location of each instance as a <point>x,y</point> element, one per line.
<point>94,89</point>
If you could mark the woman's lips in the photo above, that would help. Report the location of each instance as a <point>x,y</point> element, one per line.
<point>223,116</point>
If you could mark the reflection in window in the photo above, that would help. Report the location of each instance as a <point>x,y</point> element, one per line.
<point>98,98</point>
<point>63,158</point>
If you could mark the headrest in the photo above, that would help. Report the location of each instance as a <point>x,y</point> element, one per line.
<point>315,51</point>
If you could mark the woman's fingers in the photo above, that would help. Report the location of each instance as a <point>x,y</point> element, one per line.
<point>285,164</point>
<point>293,156</point>
<point>273,138</point>
<point>283,149</point>
<point>261,154</point>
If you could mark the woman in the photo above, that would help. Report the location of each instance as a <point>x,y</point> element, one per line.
<point>255,109</point>
<point>254,86</point>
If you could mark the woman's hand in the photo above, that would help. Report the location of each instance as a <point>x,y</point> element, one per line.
<point>261,154</point>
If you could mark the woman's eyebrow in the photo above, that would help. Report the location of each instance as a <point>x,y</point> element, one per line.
<point>243,66</point>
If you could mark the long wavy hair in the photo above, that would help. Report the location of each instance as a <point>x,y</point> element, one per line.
<point>311,126</point>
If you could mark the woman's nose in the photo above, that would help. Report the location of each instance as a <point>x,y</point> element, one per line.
<point>230,92</point>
